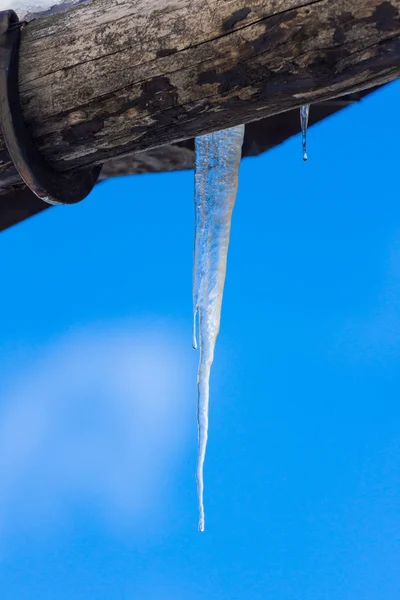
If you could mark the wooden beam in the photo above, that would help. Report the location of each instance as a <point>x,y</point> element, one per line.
<point>109,78</point>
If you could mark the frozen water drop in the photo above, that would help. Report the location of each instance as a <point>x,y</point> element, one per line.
<point>304,114</point>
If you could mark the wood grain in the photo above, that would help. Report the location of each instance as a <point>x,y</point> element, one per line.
<point>108,78</point>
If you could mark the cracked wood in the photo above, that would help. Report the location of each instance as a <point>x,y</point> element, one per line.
<point>106,79</point>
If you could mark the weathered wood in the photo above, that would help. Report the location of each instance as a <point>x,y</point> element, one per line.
<point>108,78</point>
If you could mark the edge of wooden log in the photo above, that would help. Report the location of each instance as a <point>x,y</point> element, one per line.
<point>103,80</point>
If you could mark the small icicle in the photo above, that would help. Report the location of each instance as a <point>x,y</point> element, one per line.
<point>216,179</point>
<point>194,340</point>
<point>304,114</point>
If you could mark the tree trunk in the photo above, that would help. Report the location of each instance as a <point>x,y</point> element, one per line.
<point>106,79</point>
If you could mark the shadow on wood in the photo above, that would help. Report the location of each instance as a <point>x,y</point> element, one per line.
<point>17,203</point>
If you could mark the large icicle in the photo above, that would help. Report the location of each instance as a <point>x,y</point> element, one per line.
<point>216,179</point>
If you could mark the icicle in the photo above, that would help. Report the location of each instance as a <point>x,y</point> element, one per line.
<point>304,113</point>
<point>216,179</point>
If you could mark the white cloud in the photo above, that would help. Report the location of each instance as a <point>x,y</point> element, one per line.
<point>98,423</point>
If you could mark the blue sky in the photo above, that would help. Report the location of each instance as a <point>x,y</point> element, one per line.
<point>98,384</point>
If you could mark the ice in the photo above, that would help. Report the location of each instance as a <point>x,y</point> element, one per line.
<point>216,180</point>
<point>304,114</point>
<point>30,8</point>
